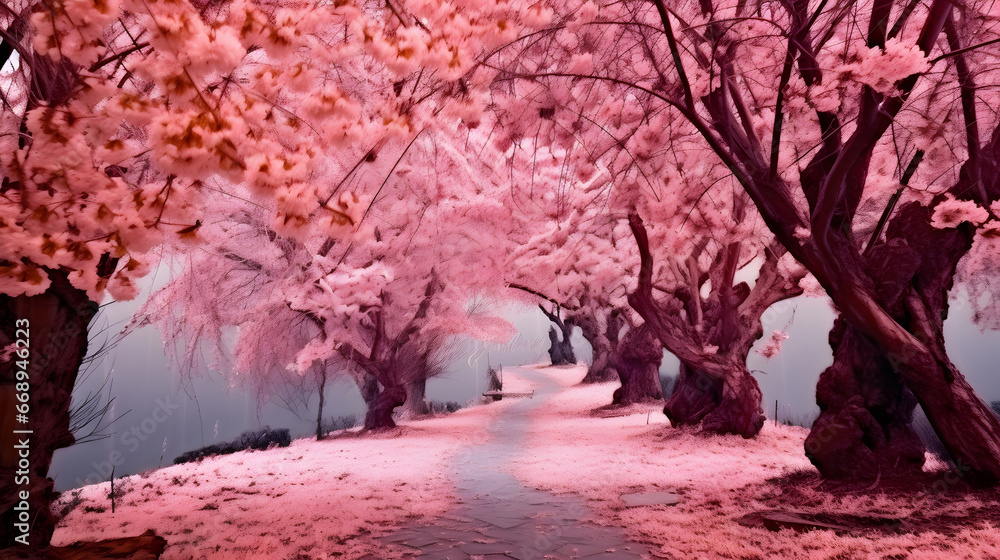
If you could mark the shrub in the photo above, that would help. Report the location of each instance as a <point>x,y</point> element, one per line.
<point>122,487</point>
<point>339,423</point>
<point>804,421</point>
<point>69,505</point>
<point>261,439</point>
<point>441,407</point>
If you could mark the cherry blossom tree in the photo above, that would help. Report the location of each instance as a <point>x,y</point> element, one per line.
<point>585,262</point>
<point>711,327</point>
<point>893,291</point>
<point>118,113</point>
<point>384,303</point>
<point>816,111</point>
<point>602,329</point>
<point>576,252</point>
<point>649,163</point>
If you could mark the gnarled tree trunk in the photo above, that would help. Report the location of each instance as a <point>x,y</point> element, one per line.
<point>730,406</point>
<point>416,397</point>
<point>739,410</point>
<point>714,389</point>
<point>379,415</point>
<point>863,429</point>
<point>604,345</point>
<point>57,328</point>
<point>695,394</point>
<point>638,365</point>
<point>560,350</point>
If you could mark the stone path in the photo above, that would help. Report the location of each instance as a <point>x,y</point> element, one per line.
<point>500,519</point>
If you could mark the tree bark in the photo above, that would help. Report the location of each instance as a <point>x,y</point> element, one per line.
<point>569,356</point>
<point>864,427</point>
<point>604,348</point>
<point>369,387</point>
<point>715,389</point>
<point>416,397</point>
<point>739,410</point>
<point>322,400</point>
<point>555,348</point>
<point>147,546</point>
<point>58,323</point>
<point>729,406</point>
<point>379,415</point>
<point>638,366</point>
<point>695,395</point>
<point>560,351</point>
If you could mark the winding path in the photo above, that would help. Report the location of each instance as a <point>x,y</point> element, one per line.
<point>501,519</point>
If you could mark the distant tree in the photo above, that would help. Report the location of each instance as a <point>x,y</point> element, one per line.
<point>578,256</point>
<point>602,329</point>
<point>560,347</point>
<point>380,307</point>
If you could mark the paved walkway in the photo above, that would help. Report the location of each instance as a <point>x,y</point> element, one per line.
<point>500,519</point>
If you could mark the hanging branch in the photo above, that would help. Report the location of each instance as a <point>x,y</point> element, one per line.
<point>541,295</point>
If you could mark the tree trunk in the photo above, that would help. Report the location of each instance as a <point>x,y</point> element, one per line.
<point>638,367</point>
<point>369,387</point>
<point>58,323</point>
<point>147,546</point>
<point>695,395</point>
<point>416,397</point>
<point>322,399</point>
<point>714,389</point>
<point>556,355</point>
<point>560,351</point>
<point>731,406</point>
<point>379,415</point>
<point>863,429</point>
<point>966,425</point>
<point>739,411</point>
<point>569,357</point>
<point>600,370</point>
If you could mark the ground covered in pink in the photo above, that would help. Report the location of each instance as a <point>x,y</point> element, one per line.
<point>332,499</point>
<point>602,454</point>
<point>326,499</point>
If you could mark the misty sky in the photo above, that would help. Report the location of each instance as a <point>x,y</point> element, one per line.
<point>157,416</point>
